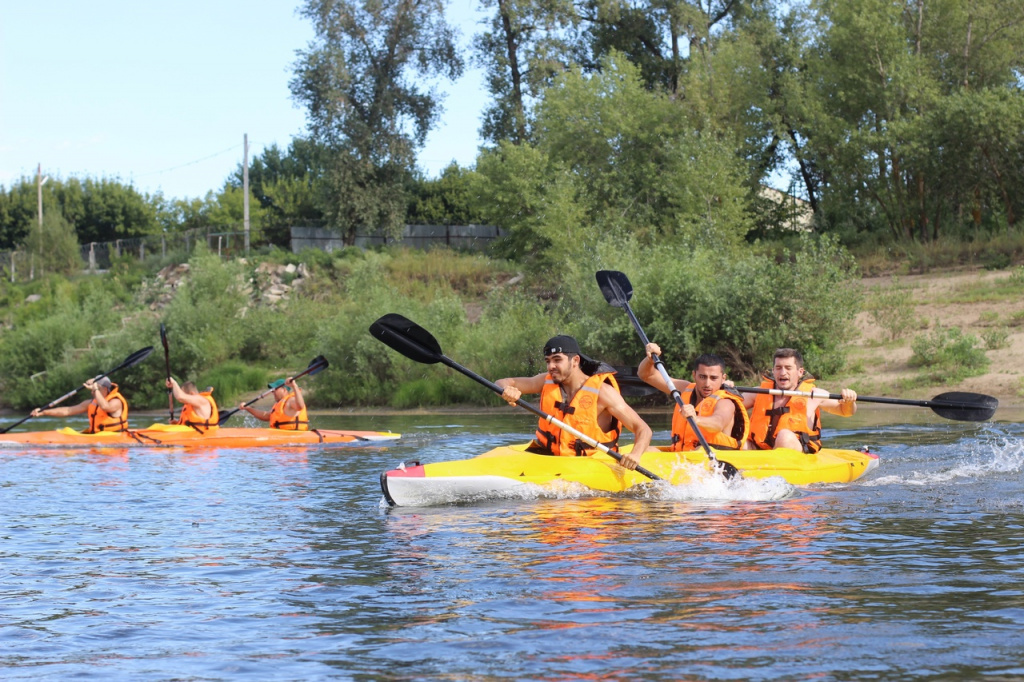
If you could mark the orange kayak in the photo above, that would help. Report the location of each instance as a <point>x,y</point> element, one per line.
<point>170,435</point>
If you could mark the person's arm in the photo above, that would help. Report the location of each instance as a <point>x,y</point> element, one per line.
<point>515,387</point>
<point>200,404</point>
<point>648,371</point>
<point>297,403</point>
<point>259,414</point>
<point>844,407</point>
<point>111,407</point>
<point>725,412</point>
<point>70,411</point>
<point>609,399</point>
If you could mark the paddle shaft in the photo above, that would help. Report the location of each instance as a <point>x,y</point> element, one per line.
<point>167,362</point>
<point>671,385</point>
<point>860,399</point>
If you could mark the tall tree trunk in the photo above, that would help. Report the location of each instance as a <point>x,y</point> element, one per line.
<point>512,52</point>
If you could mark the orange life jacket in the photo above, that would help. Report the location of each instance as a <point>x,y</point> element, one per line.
<point>683,437</point>
<point>101,421</point>
<point>279,419</point>
<point>190,418</point>
<point>580,413</point>
<point>766,420</point>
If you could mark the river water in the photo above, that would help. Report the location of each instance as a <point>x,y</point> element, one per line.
<point>286,564</point>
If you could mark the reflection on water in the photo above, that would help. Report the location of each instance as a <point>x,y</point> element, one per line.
<point>283,563</point>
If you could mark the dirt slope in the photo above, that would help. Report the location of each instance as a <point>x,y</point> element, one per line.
<point>879,366</point>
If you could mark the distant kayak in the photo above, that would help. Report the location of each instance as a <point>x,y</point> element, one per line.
<point>506,468</point>
<point>173,435</point>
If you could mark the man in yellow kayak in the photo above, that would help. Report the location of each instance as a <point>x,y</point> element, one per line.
<point>199,409</point>
<point>717,409</point>
<point>792,421</point>
<point>583,394</point>
<point>107,408</point>
<point>289,412</point>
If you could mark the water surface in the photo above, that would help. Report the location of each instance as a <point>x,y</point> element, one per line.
<point>285,564</point>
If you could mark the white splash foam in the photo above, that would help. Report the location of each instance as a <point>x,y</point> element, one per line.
<point>980,461</point>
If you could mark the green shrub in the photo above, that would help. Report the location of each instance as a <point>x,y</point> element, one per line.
<point>996,337</point>
<point>892,309</point>
<point>947,355</point>
<point>231,379</point>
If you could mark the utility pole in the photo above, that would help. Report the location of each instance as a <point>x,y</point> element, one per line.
<point>245,190</point>
<point>39,211</point>
<point>39,192</point>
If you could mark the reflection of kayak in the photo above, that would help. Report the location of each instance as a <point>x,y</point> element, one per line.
<point>506,468</point>
<point>173,435</point>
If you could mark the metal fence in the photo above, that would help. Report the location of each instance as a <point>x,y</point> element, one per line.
<point>460,237</point>
<point>229,242</point>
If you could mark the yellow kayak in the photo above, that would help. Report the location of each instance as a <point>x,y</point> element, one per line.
<point>174,435</point>
<point>506,468</point>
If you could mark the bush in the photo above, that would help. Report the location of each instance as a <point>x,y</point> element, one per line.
<point>892,309</point>
<point>947,355</point>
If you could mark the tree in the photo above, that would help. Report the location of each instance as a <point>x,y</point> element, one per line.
<point>446,200</point>
<point>287,186</point>
<point>526,45</point>
<point>611,157</point>
<point>53,245</point>
<point>361,80</point>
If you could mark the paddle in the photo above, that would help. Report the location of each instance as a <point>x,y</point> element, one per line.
<point>133,359</point>
<point>416,343</point>
<point>316,365</point>
<point>617,291</point>
<point>167,360</point>
<point>964,407</point>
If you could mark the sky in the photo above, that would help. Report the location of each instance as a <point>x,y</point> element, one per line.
<point>160,95</point>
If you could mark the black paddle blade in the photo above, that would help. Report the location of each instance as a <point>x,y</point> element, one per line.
<point>615,287</point>
<point>964,407</point>
<point>407,337</point>
<point>133,359</point>
<point>316,365</point>
<point>163,335</point>
<point>630,385</point>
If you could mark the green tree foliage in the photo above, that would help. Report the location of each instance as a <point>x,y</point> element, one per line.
<point>693,300</point>
<point>363,81</point>
<point>886,82</point>
<point>527,42</point>
<point>287,185</point>
<point>99,210</point>
<point>54,246</point>
<point>446,200</point>
<point>611,157</point>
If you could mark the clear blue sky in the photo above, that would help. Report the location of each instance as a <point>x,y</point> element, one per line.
<point>160,94</point>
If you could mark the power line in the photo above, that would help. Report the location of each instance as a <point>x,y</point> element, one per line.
<point>191,163</point>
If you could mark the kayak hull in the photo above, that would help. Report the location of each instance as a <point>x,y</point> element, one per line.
<point>505,470</point>
<point>166,435</point>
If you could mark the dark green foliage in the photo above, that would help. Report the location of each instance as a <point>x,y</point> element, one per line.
<point>947,355</point>
<point>231,380</point>
<point>98,210</point>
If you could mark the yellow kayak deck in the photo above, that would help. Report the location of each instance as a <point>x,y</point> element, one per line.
<point>507,467</point>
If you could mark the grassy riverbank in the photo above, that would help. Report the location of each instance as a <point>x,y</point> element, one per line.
<point>235,325</point>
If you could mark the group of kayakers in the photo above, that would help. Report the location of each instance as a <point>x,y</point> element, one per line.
<point>107,408</point>
<point>584,394</point>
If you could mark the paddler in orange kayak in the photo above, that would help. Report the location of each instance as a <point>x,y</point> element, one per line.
<point>289,412</point>
<point>107,409</point>
<point>199,408</point>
